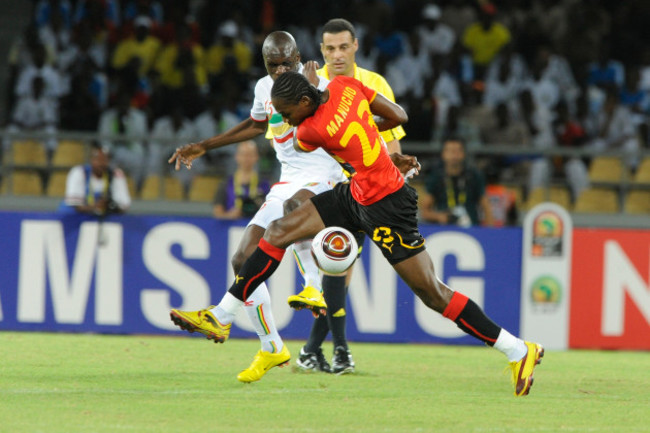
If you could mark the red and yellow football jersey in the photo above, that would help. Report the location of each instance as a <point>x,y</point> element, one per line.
<point>345,128</point>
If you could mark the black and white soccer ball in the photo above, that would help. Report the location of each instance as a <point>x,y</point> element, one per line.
<point>334,249</point>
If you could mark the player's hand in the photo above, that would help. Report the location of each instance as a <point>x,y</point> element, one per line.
<point>186,154</point>
<point>408,165</point>
<point>309,71</point>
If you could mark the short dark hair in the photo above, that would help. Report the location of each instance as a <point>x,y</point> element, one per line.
<point>338,25</point>
<point>292,86</point>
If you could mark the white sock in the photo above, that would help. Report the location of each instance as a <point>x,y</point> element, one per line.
<point>227,309</point>
<point>514,348</point>
<point>306,264</point>
<point>258,308</point>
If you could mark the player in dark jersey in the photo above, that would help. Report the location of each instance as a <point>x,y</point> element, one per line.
<point>376,200</point>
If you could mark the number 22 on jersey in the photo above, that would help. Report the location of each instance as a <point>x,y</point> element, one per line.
<point>355,129</point>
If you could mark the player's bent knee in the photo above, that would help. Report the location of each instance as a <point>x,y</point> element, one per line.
<point>276,234</point>
<point>290,205</point>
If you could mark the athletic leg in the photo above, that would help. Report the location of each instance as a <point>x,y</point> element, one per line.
<point>300,224</point>
<point>311,295</point>
<point>418,272</point>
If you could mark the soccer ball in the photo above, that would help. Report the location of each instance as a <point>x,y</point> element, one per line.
<point>334,250</point>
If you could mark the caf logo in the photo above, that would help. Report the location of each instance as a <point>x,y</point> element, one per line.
<point>547,235</point>
<point>546,290</point>
<point>547,224</point>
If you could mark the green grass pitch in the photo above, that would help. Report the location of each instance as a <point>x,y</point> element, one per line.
<point>95,383</point>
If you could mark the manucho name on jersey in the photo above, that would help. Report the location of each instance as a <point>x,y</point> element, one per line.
<point>341,111</point>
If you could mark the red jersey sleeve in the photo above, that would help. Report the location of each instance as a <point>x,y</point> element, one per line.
<point>306,136</point>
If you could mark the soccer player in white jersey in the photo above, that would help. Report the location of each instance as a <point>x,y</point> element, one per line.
<point>302,176</point>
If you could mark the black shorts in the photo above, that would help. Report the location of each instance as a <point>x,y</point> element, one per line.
<point>391,223</point>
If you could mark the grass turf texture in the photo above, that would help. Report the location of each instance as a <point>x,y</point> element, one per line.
<point>96,383</point>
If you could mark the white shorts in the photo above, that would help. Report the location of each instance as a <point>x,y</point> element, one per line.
<point>272,209</point>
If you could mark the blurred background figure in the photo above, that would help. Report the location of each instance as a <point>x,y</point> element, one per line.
<point>166,133</point>
<point>130,124</point>
<point>455,191</point>
<point>242,193</point>
<point>96,188</point>
<point>36,112</point>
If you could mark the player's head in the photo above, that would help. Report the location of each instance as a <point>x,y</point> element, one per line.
<point>294,97</point>
<point>280,54</point>
<point>339,45</point>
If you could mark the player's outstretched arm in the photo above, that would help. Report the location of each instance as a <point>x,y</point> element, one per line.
<point>245,130</point>
<point>390,114</point>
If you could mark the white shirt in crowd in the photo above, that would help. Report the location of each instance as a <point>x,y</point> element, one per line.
<point>76,191</point>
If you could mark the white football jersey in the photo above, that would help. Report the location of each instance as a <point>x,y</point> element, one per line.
<point>316,166</point>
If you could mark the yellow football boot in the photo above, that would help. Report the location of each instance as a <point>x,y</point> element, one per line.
<point>202,321</point>
<point>522,370</point>
<point>311,298</point>
<point>263,362</point>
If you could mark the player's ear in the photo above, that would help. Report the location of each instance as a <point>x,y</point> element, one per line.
<point>305,100</point>
<point>356,45</point>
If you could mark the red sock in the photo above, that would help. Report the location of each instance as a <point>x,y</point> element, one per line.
<point>469,317</point>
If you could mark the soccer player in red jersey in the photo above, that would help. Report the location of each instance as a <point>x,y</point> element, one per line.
<point>376,201</point>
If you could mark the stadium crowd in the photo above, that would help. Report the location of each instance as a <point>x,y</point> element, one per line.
<point>536,74</point>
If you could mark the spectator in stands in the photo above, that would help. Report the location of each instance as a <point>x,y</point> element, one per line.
<point>130,124</point>
<point>45,10</point>
<point>617,130</point>
<point>388,41</point>
<point>485,38</point>
<point>153,9</point>
<point>228,45</point>
<point>242,193</point>
<point>96,188</point>
<point>632,96</point>
<point>437,37</point>
<point>567,132</point>
<point>179,55</point>
<point>166,133</point>
<point>214,121</point>
<point>504,130</point>
<point>456,125</point>
<point>538,120</point>
<point>504,80</point>
<point>54,34</point>
<point>413,65</point>
<point>39,68</point>
<point>137,53</point>
<point>36,112</point>
<point>545,91</point>
<point>443,90</point>
<point>84,48</point>
<point>458,15</point>
<point>604,71</point>
<point>555,68</point>
<point>178,19</point>
<point>455,191</point>
<point>102,13</point>
<point>81,107</point>
<point>502,200</point>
